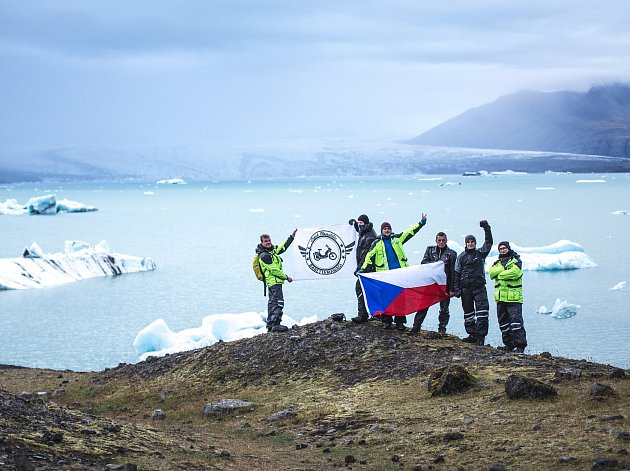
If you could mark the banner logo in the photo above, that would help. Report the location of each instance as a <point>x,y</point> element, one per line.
<point>325,252</point>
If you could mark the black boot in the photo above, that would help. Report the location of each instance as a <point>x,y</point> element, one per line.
<point>359,319</point>
<point>470,339</point>
<point>441,329</point>
<point>481,340</point>
<point>279,328</point>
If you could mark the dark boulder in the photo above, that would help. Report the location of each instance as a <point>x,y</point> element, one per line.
<point>520,387</point>
<point>450,380</point>
<point>599,390</point>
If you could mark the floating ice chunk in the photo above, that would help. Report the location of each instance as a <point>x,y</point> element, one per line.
<point>257,210</point>
<point>429,179</point>
<point>46,204</point>
<point>618,286</point>
<point>69,206</point>
<point>171,181</point>
<point>560,310</point>
<point>149,193</point>
<point>34,251</point>
<point>36,269</point>
<point>12,208</point>
<point>561,255</point>
<point>508,172</point>
<point>590,181</point>
<point>42,205</point>
<point>619,212</point>
<point>545,188</point>
<point>157,339</point>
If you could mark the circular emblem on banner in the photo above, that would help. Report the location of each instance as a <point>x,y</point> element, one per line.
<point>325,253</point>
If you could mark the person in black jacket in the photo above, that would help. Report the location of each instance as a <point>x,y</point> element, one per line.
<point>469,282</point>
<point>435,253</point>
<point>367,236</point>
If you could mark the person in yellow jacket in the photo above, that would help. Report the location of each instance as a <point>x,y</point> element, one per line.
<point>507,273</point>
<point>271,266</point>
<point>387,253</point>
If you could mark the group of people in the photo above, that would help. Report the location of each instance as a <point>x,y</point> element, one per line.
<point>465,279</point>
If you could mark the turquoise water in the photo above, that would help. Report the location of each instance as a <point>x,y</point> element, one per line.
<point>202,237</point>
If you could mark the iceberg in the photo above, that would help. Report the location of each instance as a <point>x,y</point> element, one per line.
<point>80,261</point>
<point>157,339</point>
<point>46,204</point>
<point>561,255</point>
<point>560,310</point>
<point>618,286</point>
<point>621,212</point>
<point>171,181</point>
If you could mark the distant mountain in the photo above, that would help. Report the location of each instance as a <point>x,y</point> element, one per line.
<point>596,123</point>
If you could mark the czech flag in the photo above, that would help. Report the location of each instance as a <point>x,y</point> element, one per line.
<point>404,290</point>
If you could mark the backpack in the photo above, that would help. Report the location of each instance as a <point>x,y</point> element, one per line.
<point>257,270</point>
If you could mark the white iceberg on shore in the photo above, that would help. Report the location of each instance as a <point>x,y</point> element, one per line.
<point>560,310</point>
<point>46,204</point>
<point>157,339</point>
<point>36,269</point>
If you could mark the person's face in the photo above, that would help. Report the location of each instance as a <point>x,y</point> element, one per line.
<point>441,241</point>
<point>471,244</point>
<point>503,249</point>
<point>386,231</point>
<point>360,224</point>
<point>266,242</point>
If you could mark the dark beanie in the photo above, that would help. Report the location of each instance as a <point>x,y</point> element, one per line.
<point>506,243</point>
<point>470,237</point>
<point>384,225</point>
<point>363,218</point>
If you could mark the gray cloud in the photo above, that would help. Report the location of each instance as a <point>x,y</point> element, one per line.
<point>198,72</point>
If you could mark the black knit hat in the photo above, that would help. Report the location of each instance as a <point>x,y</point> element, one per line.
<point>363,218</point>
<point>506,243</point>
<point>384,225</point>
<point>470,237</point>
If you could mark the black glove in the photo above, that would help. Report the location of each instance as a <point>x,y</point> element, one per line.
<point>352,222</point>
<point>483,223</point>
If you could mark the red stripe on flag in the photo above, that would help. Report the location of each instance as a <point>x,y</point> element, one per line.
<point>413,299</point>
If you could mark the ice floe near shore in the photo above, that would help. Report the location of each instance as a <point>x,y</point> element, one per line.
<point>157,339</point>
<point>560,310</point>
<point>36,269</point>
<point>561,255</point>
<point>47,204</point>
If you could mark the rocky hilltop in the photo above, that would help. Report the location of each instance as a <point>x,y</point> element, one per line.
<point>596,122</point>
<point>321,396</point>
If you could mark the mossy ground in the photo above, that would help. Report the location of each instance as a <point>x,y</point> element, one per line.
<point>356,397</point>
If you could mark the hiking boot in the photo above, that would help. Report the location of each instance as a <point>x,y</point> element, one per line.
<point>519,350</point>
<point>401,327</point>
<point>481,341</point>
<point>469,339</point>
<point>279,328</point>
<point>415,328</point>
<point>441,330</point>
<point>359,319</point>
<point>505,348</point>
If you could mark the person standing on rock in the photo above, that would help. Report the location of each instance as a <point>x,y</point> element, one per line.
<point>469,282</point>
<point>507,273</point>
<point>387,253</point>
<point>271,266</point>
<point>366,238</point>
<point>435,253</point>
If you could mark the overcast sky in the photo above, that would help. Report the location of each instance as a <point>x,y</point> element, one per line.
<point>200,73</point>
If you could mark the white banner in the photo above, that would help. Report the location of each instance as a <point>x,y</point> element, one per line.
<point>320,253</point>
